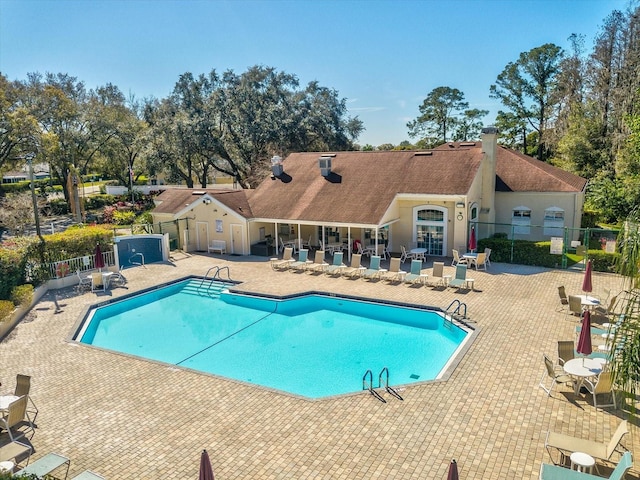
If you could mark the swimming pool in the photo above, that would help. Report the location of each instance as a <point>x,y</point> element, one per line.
<point>313,345</point>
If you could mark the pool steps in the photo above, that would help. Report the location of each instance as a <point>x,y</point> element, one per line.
<point>211,289</point>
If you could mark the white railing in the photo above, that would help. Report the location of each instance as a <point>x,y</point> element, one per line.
<point>64,268</point>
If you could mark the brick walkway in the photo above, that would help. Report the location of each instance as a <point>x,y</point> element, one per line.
<point>128,418</point>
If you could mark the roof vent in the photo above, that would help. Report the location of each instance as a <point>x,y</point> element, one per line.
<point>324,163</point>
<point>468,144</point>
<point>422,154</point>
<point>276,166</point>
<point>198,192</point>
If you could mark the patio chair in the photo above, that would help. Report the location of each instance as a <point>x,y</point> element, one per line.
<point>394,272</point>
<point>461,276</point>
<point>555,472</point>
<point>601,451</point>
<point>16,416</point>
<point>602,385</point>
<point>84,283</point>
<point>96,281</point>
<point>487,252</point>
<point>566,351</point>
<point>286,261</point>
<point>318,264</point>
<point>117,278</point>
<point>608,310</point>
<point>457,259</point>
<point>374,270</point>
<point>575,305</point>
<point>480,262</point>
<point>414,275</point>
<point>23,387</point>
<point>438,273</point>
<point>355,267</point>
<point>556,374</point>
<point>301,263</point>
<point>337,265</point>
<point>564,300</point>
<point>403,255</point>
<point>307,244</point>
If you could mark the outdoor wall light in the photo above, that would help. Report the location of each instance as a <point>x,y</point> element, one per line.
<point>460,205</point>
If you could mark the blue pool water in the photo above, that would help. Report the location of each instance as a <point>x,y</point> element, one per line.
<point>314,345</point>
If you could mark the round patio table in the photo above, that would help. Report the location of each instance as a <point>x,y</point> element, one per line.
<point>581,368</point>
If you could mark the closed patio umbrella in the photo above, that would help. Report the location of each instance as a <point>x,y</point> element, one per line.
<point>584,342</point>
<point>99,261</point>
<point>206,472</point>
<point>453,471</point>
<point>472,240</point>
<point>587,285</point>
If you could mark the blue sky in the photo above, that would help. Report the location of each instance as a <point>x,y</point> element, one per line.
<point>383,56</point>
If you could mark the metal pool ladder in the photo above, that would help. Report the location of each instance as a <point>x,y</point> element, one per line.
<point>216,275</point>
<point>367,384</point>
<point>459,312</point>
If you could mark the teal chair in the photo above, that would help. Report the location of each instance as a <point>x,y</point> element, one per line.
<point>374,268</point>
<point>555,472</point>
<point>461,276</point>
<point>337,264</point>
<point>414,275</point>
<point>301,263</point>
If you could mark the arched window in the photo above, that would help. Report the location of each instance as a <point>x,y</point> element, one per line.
<point>473,212</point>
<point>429,228</point>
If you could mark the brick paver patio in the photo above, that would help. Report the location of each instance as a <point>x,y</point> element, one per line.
<point>128,418</point>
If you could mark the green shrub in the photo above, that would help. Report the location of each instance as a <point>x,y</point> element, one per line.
<point>6,307</point>
<point>95,202</point>
<point>13,263</point>
<point>59,206</point>
<point>123,217</point>
<point>22,294</point>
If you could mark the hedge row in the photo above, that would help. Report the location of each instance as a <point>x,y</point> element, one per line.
<point>538,253</point>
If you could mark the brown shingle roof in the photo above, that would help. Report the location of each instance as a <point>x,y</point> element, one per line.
<point>517,172</point>
<point>173,200</point>
<point>362,185</point>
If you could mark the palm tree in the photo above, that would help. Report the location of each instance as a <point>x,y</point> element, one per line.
<point>626,362</point>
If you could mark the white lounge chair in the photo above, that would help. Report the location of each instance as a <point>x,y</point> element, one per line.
<point>437,274</point>
<point>394,272</point>
<point>555,472</point>
<point>354,268</point>
<point>318,265</point>
<point>286,261</point>
<point>566,444</point>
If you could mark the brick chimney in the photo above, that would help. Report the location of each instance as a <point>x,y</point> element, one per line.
<point>489,150</point>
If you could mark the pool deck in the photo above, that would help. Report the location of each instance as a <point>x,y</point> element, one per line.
<point>127,418</point>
